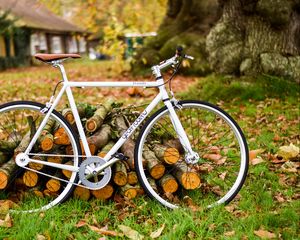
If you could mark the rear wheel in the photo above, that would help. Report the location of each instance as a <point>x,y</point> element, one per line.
<point>214,135</point>
<point>35,187</point>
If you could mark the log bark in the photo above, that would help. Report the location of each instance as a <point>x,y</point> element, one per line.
<point>120,174</point>
<point>23,144</point>
<point>46,138</point>
<point>128,147</point>
<point>7,172</point>
<point>95,122</point>
<point>8,146</point>
<point>103,193</point>
<point>106,149</point>
<point>82,193</point>
<point>174,143</point>
<point>187,177</point>
<point>3,158</point>
<point>100,138</point>
<point>154,166</point>
<point>166,154</point>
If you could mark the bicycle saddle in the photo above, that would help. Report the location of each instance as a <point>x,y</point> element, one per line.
<point>44,57</point>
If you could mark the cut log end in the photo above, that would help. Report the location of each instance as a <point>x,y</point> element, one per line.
<point>171,155</point>
<point>82,193</point>
<point>190,180</point>
<point>130,193</point>
<point>47,143</point>
<point>53,185</point>
<point>91,126</point>
<point>157,171</point>
<point>61,137</point>
<point>103,193</point>
<point>30,179</point>
<point>120,178</point>
<point>69,117</point>
<point>3,180</point>
<point>169,184</point>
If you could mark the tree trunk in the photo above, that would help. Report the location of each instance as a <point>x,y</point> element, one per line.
<point>242,37</point>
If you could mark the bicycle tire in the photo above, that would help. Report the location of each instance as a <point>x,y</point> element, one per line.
<point>11,190</point>
<point>203,194</point>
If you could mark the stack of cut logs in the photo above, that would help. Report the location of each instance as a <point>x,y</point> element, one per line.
<point>104,124</point>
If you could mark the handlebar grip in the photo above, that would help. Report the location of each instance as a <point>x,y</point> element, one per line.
<point>179,51</point>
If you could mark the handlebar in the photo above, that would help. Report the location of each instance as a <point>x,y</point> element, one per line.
<point>171,61</point>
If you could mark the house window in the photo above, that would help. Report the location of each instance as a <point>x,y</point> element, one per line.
<point>72,45</point>
<point>38,43</point>
<point>56,45</point>
<point>82,45</point>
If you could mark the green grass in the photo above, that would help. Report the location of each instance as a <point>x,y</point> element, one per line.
<point>227,88</point>
<point>265,107</point>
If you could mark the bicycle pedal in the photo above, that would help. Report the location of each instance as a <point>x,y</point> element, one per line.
<point>120,156</point>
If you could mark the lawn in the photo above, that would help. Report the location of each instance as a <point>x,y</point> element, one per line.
<point>268,205</point>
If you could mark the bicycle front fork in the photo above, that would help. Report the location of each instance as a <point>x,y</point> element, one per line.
<point>191,157</point>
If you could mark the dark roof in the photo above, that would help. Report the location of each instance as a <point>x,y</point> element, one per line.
<point>32,14</point>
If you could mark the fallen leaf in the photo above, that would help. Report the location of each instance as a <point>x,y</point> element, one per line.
<point>158,232</point>
<point>289,167</point>
<point>256,161</point>
<point>81,223</point>
<point>212,156</point>
<point>104,231</point>
<point>254,153</point>
<point>288,152</point>
<point>279,197</point>
<point>130,233</point>
<point>229,234</point>
<point>264,234</point>
<point>7,222</point>
<point>40,237</point>
<point>5,205</point>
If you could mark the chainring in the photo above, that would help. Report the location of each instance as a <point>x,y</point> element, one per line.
<point>89,177</point>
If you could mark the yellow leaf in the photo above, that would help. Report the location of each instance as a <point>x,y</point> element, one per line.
<point>7,222</point>
<point>158,232</point>
<point>288,152</point>
<point>130,233</point>
<point>256,161</point>
<point>264,234</point>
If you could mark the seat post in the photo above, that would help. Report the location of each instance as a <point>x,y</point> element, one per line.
<point>58,64</point>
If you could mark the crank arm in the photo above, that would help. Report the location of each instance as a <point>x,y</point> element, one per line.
<point>98,170</point>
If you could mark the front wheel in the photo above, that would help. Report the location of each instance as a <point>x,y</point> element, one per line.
<point>214,135</point>
<point>35,187</point>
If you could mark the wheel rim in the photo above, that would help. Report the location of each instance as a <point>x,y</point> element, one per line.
<point>215,156</point>
<point>33,198</point>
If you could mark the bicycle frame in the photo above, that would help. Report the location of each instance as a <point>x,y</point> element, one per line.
<point>67,85</point>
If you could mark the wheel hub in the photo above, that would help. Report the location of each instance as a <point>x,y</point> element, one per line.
<point>22,159</point>
<point>89,177</point>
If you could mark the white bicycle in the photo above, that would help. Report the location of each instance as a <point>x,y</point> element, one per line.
<point>205,151</point>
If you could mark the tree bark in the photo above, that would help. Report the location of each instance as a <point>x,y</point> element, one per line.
<point>241,37</point>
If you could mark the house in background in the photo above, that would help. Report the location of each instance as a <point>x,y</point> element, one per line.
<point>35,29</point>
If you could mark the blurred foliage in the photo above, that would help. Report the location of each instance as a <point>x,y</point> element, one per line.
<point>109,20</point>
